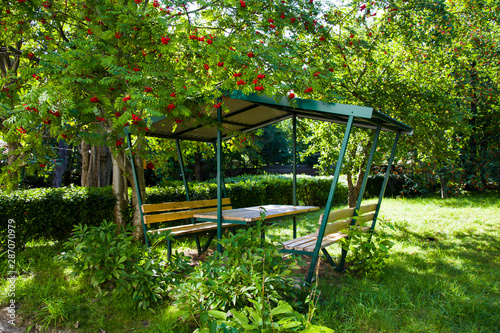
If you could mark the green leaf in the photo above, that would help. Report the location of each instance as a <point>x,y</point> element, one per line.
<point>317,329</point>
<point>240,317</point>
<point>282,308</point>
<point>219,315</point>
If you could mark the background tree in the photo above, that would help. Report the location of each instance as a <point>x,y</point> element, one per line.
<point>411,60</point>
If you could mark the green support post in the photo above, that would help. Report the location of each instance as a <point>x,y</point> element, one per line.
<point>294,171</point>
<point>186,187</point>
<point>138,190</point>
<point>223,182</point>
<point>219,179</point>
<point>362,189</point>
<point>386,180</point>
<point>324,222</point>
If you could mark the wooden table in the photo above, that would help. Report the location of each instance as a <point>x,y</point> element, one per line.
<point>249,215</point>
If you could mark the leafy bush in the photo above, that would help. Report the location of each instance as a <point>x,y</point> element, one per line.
<point>367,251</point>
<point>395,185</point>
<point>247,267</point>
<point>261,317</point>
<point>255,190</point>
<point>417,184</point>
<point>111,261</point>
<point>51,213</point>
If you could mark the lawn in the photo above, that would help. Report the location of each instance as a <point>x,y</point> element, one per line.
<point>443,275</point>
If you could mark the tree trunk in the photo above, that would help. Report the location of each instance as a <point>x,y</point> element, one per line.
<point>85,149</point>
<point>354,189</point>
<point>62,155</point>
<point>126,168</point>
<point>351,198</point>
<point>97,166</point>
<point>120,191</point>
<point>197,167</point>
<point>444,188</point>
<point>13,156</point>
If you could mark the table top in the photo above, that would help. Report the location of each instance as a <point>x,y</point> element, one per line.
<point>252,214</point>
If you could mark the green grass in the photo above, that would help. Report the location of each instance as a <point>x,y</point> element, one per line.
<point>443,275</point>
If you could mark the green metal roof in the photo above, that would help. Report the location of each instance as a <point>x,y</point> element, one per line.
<point>250,112</point>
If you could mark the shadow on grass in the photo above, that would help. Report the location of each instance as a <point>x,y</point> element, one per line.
<point>483,200</point>
<point>444,285</point>
<point>47,296</point>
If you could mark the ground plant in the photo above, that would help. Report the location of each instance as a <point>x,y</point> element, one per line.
<point>441,276</point>
<point>260,318</point>
<point>234,279</point>
<point>111,261</point>
<point>367,251</point>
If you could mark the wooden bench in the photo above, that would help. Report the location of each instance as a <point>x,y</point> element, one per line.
<point>333,231</point>
<point>175,211</point>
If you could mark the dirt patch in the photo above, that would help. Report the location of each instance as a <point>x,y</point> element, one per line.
<point>6,323</point>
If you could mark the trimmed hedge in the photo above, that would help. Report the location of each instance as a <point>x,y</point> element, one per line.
<point>255,190</point>
<point>277,189</point>
<point>51,213</point>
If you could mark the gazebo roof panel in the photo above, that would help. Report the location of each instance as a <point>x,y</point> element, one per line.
<point>248,112</point>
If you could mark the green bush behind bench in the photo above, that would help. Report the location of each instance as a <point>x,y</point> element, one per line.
<point>51,212</point>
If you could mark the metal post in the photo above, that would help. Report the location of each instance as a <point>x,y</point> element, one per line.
<point>386,179</point>
<point>219,179</point>
<point>186,187</point>
<point>362,190</point>
<point>138,190</point>
<point>324,222</point>
<point>181,165</point>
<point>294,171</point>
<point>223,182</point>
<point>368,167</point>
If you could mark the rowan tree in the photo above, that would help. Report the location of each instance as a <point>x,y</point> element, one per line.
<point>105,67</point>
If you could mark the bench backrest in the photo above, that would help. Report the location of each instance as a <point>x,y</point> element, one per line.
<point>366,213</point>
<point>171,211</point>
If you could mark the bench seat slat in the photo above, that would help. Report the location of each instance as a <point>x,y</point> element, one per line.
<point>308,243</point>
<point>291,244</point>
<point>348,212</point>
<point>193,228</point>
<point>172,216</point>
<point>167,206</point>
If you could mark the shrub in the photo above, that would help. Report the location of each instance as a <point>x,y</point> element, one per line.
<point>247,267</point>
<point>51,213</point>
<point>257,190</point>
<point>111,261</point>
<point>367,251</point>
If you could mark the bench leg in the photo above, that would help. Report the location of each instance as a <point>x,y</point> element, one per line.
<point>169,249</point>
<point>198,246</point>
<point>329,258</point>
<point>342,261</point>
<point>314,261</point>
<point>210,238</point>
